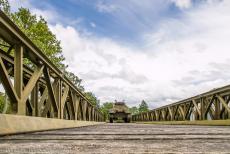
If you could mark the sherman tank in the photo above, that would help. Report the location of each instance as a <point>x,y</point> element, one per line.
<point>119,112</point>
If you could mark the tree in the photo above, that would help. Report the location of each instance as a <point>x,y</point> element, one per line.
<point>36,28</point>
<point>1,102</point>
<point>133,110</point>
<point>143,107</point>
<point>75,80</point>
<point>93,99</point>
<point>105,109</point>
<point>5,6</point>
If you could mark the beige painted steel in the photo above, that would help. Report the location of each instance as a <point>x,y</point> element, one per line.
<point>212,105</point>
<point>13,124</point>
<point>43,89</point>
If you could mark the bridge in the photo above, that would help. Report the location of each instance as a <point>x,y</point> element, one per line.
<point>44,99</point>
<point>38,89</point>
<point>212,105</point>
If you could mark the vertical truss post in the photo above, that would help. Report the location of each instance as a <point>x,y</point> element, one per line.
<point>89,110</point>
<point>93,112</point>
<point>58,94</point>
<point>203,108</point>
<point>18,78</point>
<point>60,108</point>
<point>170,113</point>
<point>34,100</point>
<point>157,116</point>
<point>77,102</point>
<point>217,110</point>
<point>63,100</point>
<point>85,109</point>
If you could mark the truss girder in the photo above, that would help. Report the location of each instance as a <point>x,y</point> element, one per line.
<point>212,105</point>
<point>38,87</point>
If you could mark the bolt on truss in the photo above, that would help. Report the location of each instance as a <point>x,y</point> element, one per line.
<point>38,88</point>
<point>212,105</point>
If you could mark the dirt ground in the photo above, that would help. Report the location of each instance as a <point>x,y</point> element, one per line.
<point>122,138</point>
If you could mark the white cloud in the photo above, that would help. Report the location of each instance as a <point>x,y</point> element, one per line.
<point>183,57</point>
<point>48,15</point>
<point>15,4</point>
<point>183,4</point>
<point>92,24</point>
<point>134,16</point>
<point>104,7</point>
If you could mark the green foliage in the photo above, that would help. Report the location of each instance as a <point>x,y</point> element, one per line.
<point>38,31</point>
<point>1,102</point>
<point>133,110</point>
<point>143,107</point>
<point>75,79</point>
<point>36,28</point>
<point>5,6</point>
<point>93,99</point>
<point>105,109</point>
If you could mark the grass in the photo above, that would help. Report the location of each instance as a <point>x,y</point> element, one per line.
<point>200,122</point>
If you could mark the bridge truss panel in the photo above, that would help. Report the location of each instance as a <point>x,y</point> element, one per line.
<point>212,105</point>
<point>34,85</point>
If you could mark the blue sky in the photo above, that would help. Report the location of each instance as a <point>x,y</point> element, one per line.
<point>123,21</point>
<point>161,51</point>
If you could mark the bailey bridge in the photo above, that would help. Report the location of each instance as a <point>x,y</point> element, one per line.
<point>42,98</point>
<point>41,90</point>
<point>212,105</point>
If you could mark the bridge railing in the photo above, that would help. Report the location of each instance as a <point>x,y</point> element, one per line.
<point>212,105</point>
<point>40,88</point>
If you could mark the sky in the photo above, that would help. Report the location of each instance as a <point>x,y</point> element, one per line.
<point>161,51</point>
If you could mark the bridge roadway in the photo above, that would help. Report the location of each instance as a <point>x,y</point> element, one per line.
<point>122,138</point>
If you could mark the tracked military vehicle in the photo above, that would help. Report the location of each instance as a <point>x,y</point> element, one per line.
<point>119,112</point>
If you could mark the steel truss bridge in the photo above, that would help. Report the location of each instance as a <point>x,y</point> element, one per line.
<point>40,88</point>
<point>212,105</point>
<point>42,98</point>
